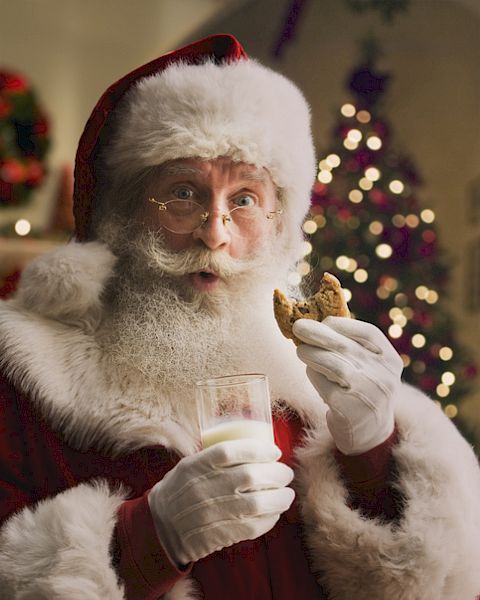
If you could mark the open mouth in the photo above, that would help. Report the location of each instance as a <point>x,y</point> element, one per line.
<point>204,280</point>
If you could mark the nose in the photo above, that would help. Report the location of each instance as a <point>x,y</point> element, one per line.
<point>214,233</point>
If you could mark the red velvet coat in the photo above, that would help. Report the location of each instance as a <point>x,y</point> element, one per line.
<point>35,463</point>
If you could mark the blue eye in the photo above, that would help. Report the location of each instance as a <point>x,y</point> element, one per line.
<point>183,193</point>
<point>245,200</point>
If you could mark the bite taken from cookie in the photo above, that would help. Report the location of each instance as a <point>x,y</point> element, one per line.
<point>328,300</point>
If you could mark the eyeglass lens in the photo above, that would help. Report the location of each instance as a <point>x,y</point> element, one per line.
<point>185,216</point>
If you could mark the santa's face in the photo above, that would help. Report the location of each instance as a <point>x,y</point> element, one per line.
<point>225,207</point>
<point>167,323</point>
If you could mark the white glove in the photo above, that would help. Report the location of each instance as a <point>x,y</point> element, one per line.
<point>357,372</point>
<point>230,492</point>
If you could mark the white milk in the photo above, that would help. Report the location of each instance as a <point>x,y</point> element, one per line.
<point>237,430</point>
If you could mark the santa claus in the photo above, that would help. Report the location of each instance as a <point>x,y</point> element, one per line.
<point>192,181</point>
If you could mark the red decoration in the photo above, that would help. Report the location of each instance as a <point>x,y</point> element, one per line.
<point>24,133</point>
<point>9,285</point>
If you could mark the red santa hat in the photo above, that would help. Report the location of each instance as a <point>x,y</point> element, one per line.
<point>204,100</point>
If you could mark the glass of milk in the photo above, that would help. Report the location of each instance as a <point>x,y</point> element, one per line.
<point>234,407</point>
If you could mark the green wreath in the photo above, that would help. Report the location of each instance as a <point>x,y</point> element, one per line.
<point>24,140</point>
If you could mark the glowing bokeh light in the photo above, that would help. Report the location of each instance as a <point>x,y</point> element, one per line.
<point>421,292</point>
<point>360,275</point>
<point>442,390</point>
<point>372,173</point>
<point>303,268</point>
<point>418,340</point>
<point>375,227</point>
<point>324,165</point>
<point>324,177</point>
<point>396,186</point>
<point>355,196</point>
<point>451,411</point>
<point>342,262</point>
<point>310,227</point>
<point>427,215</point>
<point>384,251</point>
<point>395,331</point>
<point>354,135</point>
<point>307,248</point>
<point>412,221</point>
<point>363,116</point>
<point>22,227</point>
<point>374,142</point>
<point>365,184</point>
<point>333,160</point>
<point>448,378</point>
<point>445,353</point>
<point>398,220</point>
<point>431,297</point>
<point>349,145</point>
<point>348,110</point>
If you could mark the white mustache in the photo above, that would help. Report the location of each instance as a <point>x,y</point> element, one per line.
<point>192,260</point>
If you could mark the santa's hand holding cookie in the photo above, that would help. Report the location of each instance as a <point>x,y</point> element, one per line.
<point>357,373</point>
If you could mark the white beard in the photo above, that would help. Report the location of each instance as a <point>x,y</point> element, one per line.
<point>162,335</point>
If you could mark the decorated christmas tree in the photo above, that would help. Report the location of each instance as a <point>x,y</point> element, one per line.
<point>368,226</point>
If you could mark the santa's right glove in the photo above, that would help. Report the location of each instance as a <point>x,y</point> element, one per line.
<point>230,492</point>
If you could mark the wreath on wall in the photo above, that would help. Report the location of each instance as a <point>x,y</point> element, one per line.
<point>24,140</point>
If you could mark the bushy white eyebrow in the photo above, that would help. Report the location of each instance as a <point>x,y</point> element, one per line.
<point>257,175</point>
<point>180,170</point>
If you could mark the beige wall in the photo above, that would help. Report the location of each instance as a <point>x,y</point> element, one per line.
<point>433,55</point>
<point>72,50</point>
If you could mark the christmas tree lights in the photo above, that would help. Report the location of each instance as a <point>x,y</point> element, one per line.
<point>367,227</point>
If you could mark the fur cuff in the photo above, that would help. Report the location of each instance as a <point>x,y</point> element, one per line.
<point>60,548</point>
<point>66,284</point>
<point>433,552</point>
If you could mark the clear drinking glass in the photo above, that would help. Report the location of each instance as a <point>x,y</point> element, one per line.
<point>234,407</point>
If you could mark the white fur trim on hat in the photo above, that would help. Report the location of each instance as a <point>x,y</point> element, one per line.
<point>240,110</point>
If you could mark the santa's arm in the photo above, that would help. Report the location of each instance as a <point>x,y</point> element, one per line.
<point>370,479</point>
<point>431,550</point>
<point>85,540</point>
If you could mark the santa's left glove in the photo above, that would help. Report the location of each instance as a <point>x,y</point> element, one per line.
<point>357,372</point>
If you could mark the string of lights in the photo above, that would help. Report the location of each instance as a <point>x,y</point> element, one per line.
<point>367,226</point>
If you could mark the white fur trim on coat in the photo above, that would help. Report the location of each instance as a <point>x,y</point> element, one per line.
<point>66,284</point>
<point>59,548</point>
<point>432,553</point>
<point>241,110</point>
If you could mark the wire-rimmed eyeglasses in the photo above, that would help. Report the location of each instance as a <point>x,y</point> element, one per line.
<point>186,216</point>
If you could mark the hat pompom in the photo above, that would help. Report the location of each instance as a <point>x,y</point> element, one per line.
<point>71,280</point>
